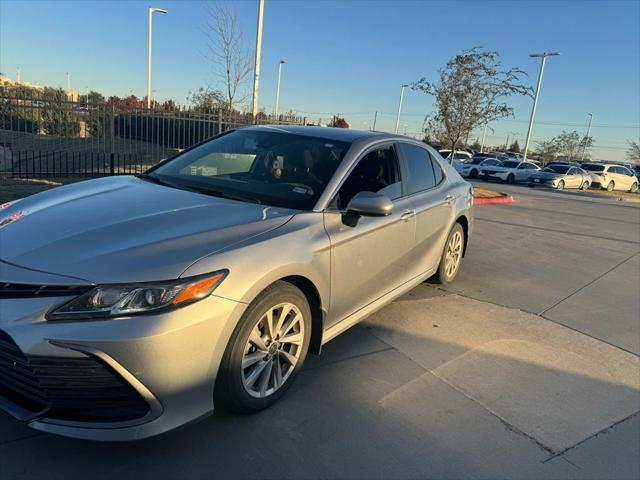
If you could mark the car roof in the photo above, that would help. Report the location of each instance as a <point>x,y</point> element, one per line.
<point>329,133</point>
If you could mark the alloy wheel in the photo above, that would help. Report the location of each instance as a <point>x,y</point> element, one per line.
<point>273,350</point>
<point>453,255</point>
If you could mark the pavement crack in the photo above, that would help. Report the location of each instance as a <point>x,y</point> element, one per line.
<point>588,284</point>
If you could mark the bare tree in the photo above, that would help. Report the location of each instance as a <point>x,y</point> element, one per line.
<point>227,52</point>
<point>633,153</point>
<point>470,92</point>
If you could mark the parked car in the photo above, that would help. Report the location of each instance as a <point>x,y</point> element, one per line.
<point>460,155</point>
<point>611,177</point>
<point>509,171</point>
<point>561,176</point>
<point>515,155</point>
<point>500,156</point>
<point>559,162</point>
<point>471,168</point>
<point>132,305</point>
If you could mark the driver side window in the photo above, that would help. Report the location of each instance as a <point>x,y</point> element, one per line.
<point>377,171</point>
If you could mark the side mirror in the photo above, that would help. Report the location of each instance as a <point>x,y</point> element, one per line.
<point>370,204</point>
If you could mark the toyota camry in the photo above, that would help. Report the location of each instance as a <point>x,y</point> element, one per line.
<point>131,305</point>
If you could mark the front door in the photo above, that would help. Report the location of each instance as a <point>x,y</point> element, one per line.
<point>369,258</point>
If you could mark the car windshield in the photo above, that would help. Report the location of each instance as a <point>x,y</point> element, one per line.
<point>270,168</point>
<point>593,168</point>
<point>556,169</point>
<point>509,164</point>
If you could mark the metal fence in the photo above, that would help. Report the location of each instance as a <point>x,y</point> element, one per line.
<point>54,137</point>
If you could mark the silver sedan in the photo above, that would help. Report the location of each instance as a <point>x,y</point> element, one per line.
<point>561,176</point>
<point>132,305</point>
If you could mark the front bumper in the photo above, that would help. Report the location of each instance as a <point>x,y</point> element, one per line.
<point>160,370</point>
<point>539,182</point>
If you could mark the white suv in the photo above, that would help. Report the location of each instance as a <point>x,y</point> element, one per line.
<point>611,177</point>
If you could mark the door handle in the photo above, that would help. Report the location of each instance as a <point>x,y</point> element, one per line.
<point>448,199</point>
<point>407,214</point>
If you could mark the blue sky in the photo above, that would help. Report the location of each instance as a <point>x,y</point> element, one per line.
<point>350,56</point>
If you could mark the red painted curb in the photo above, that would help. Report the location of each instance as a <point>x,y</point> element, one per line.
<point>487,201</point>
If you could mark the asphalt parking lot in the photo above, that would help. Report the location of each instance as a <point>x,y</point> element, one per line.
<point>527,367</point>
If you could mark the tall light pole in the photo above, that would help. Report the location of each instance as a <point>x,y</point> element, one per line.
<point>544,56</point>
<point>19,74</point>
<point>68,83</point>
<point>151,12</point>
<point>586,138</point>
<point>256,71</point>
<point>278,87</point>
<point>402,87</point>
<point>484,133</point>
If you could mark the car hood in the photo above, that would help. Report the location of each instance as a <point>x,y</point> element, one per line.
<point>124,229</point>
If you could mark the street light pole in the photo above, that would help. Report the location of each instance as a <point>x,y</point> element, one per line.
<point>484,132</point>
<point>535,98</point>
<point>375,119</point>
<point>68,83</point>
<point>278,87</point>
<point>586,138</point>
<point>256,72</point>
<point>151,12</point>
<point>402,87</point>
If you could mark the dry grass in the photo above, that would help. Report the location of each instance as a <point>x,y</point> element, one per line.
<point>479,192</point>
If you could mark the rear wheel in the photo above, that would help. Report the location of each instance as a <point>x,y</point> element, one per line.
<point>584,186</point>
<point>451,256</point>
<point>634,187</point>
<point>560,185</point>
<point>611,186</point>
<point>511,178</point>
<point>473,173</point>
<point>266,350</point>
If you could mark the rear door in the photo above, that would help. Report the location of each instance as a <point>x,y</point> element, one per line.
<point>433,204</point>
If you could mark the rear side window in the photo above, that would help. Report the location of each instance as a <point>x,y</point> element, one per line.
<point>421,175</point>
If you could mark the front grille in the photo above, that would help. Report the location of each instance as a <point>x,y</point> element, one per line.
<point>19,290</point>
<point>73,389</point>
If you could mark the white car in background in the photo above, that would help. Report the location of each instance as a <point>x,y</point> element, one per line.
<point>611,177</point>
<point>471,168</point>
<point>509,171</point>
<point>458,155</point>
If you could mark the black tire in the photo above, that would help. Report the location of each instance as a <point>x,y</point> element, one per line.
<point>560,185</point>
<point>584,186</point>
<point>441,276</point>
<point>611,186</point>
<point>473,173</point>
<point>511,178</point>
<point>230,393</point>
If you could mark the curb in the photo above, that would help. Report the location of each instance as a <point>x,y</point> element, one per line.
<point>488,201</point>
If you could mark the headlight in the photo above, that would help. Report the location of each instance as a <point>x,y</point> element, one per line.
<point>107,301</point>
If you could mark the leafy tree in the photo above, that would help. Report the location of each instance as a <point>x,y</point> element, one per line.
<point>633,153</point>
<point>547,150</point>
<point>470,92</point>
<point>515,147</point>
<point>339,122</point>
<point>476,145</point>
<point>572,144</point>
<point>207,99</point>
<point>57,116</point>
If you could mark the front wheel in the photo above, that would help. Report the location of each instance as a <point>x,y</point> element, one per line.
<point>634,187</point>
<point>584,186</point>
<point>560,185</point>
<point>511,178</point>
<point>473,173</point>
<point>611,186</point>
<point>266,350</point>
<point>451,256</point>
